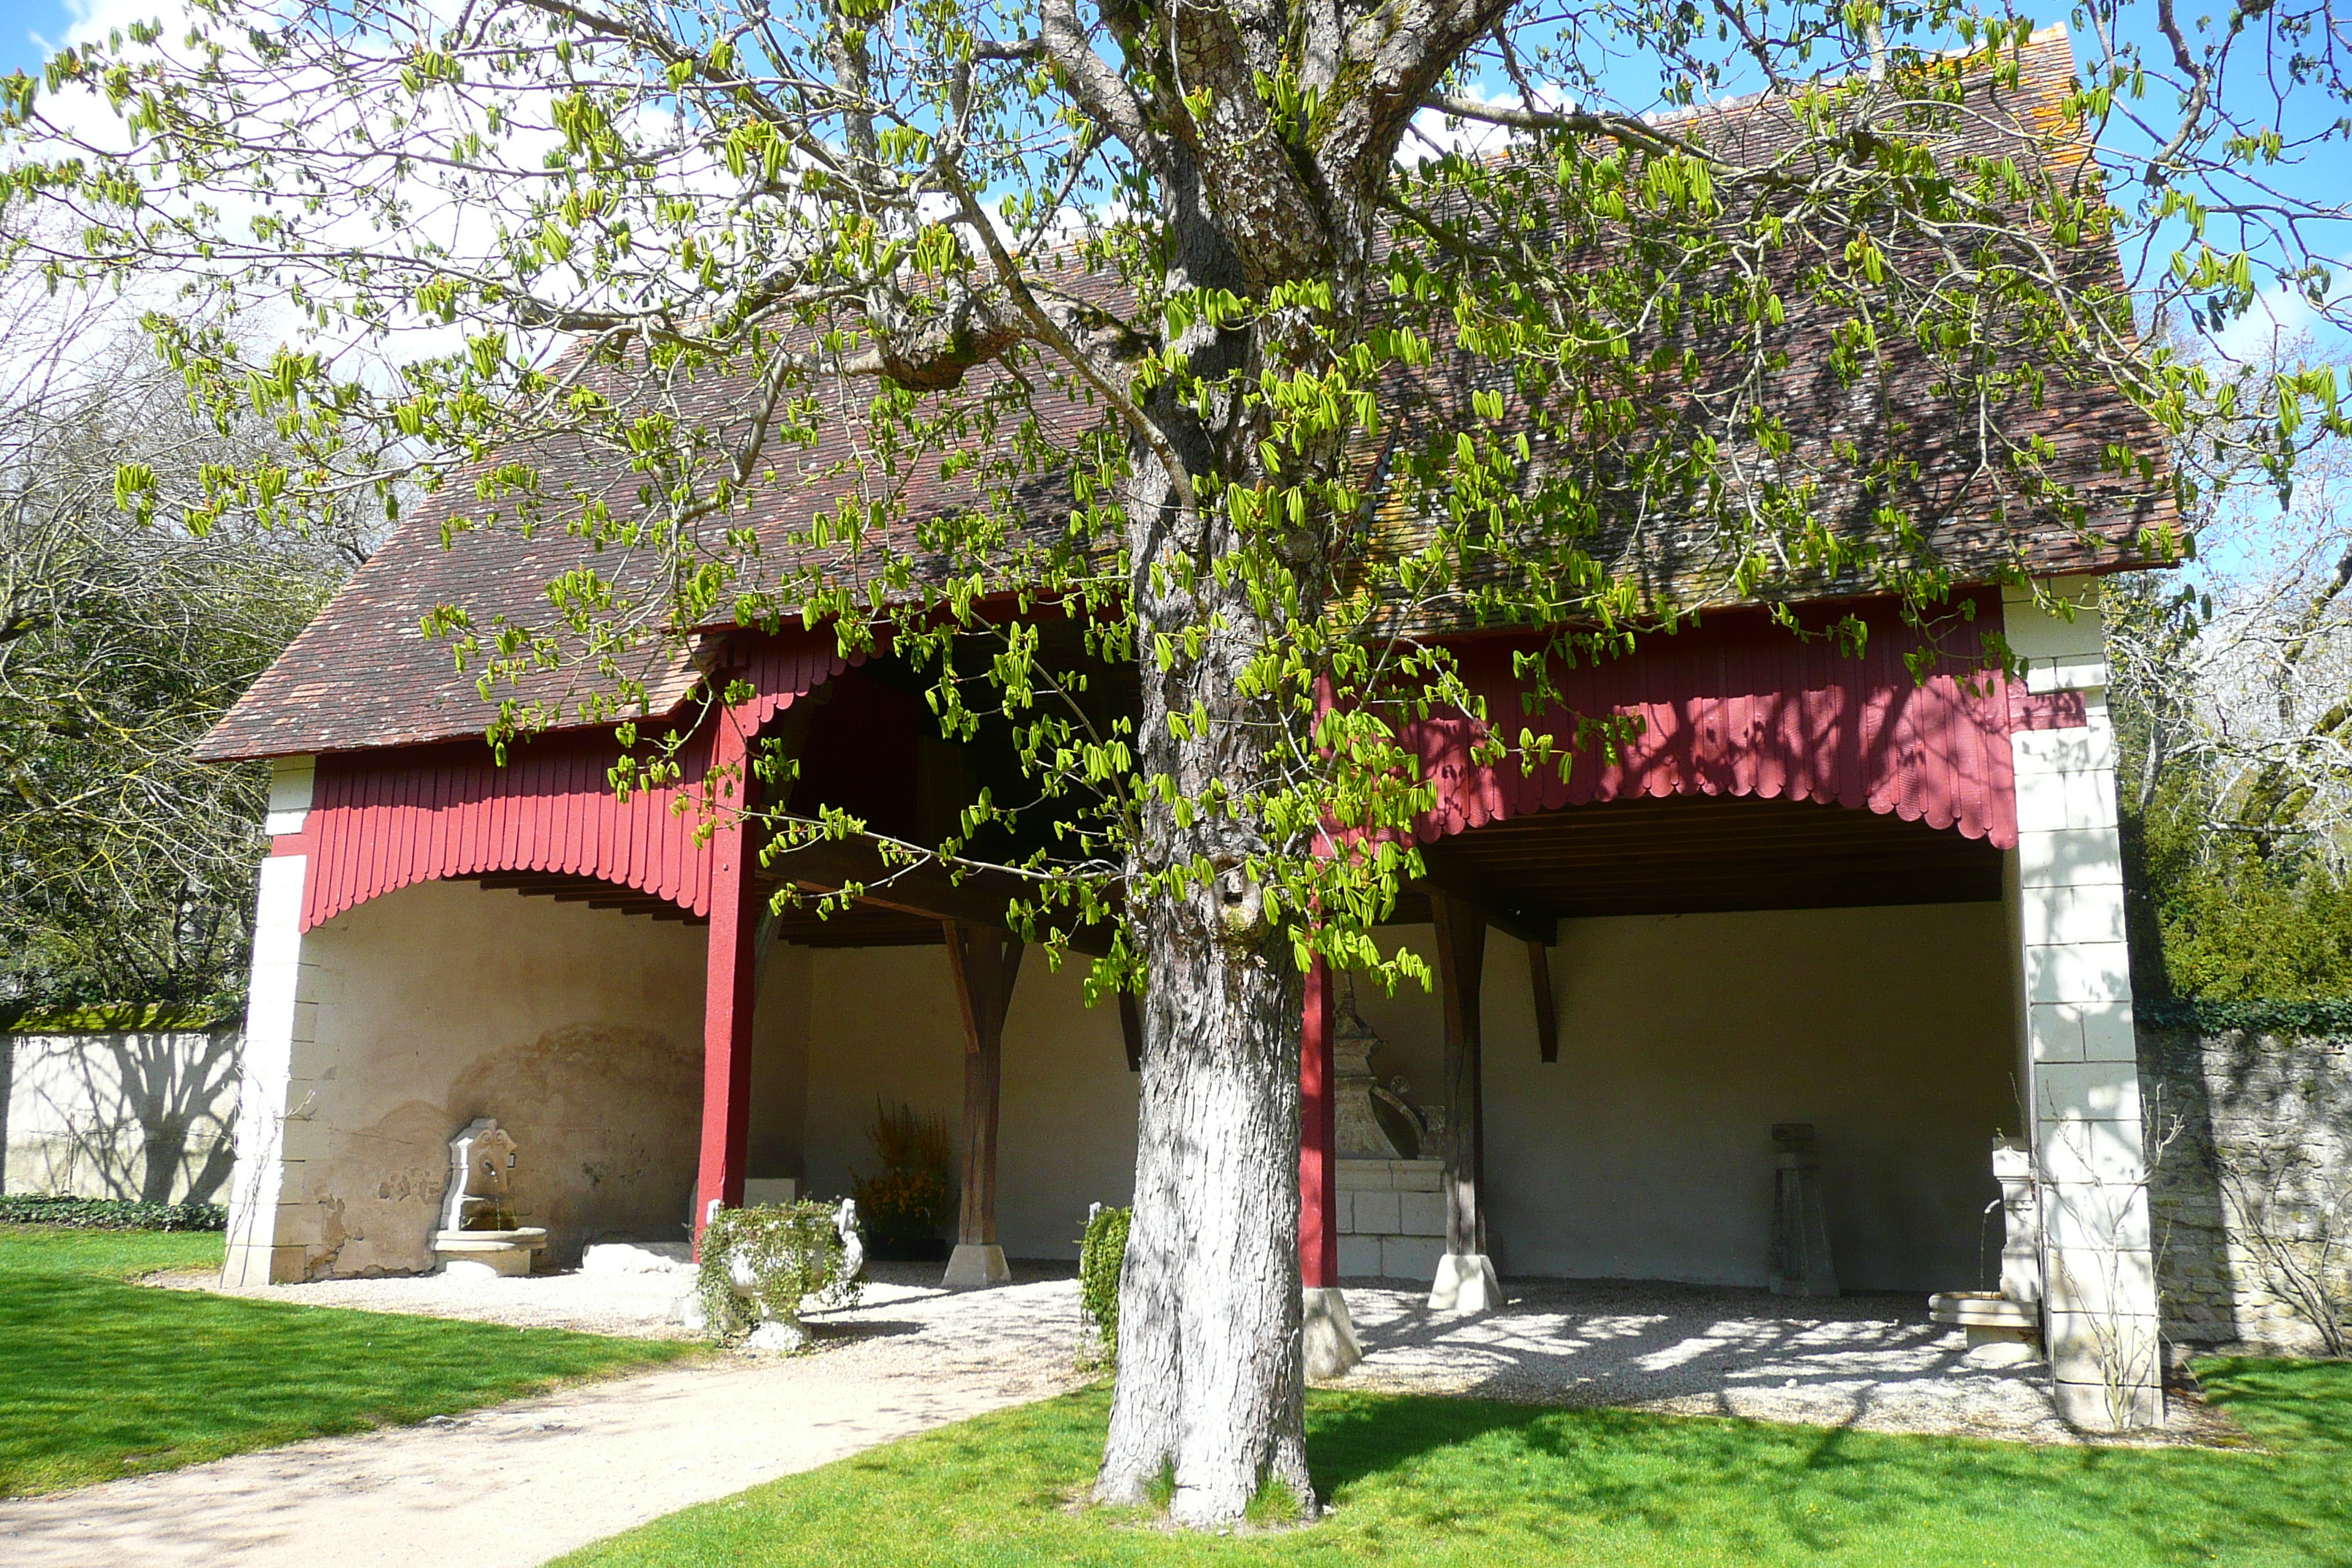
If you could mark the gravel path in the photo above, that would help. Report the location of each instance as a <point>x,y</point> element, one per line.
<point>524,1482</point>
<point>1870,1361</point>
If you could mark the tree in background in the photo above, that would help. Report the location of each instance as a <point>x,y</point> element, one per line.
<point>2233,697</point>
<point>126,867</point>
<point>1253,346</point>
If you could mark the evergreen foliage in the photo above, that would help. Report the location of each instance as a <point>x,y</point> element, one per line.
<point>109,1213</point>
<point>1102,1258</point>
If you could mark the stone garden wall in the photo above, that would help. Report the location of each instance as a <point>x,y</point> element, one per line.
<point>2252,1199</point>
<point>118,1114</point>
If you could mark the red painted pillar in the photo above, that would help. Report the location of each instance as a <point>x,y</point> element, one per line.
<point>1319,1139</point>
<point>731,980</point>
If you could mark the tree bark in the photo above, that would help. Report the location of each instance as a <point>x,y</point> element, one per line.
<point>1211,1376</point>
<point>1210,1390</point>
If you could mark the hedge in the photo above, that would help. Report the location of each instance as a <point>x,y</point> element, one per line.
<point>111,1213</point>
<point>2322,1016</point>
<point>113,1017</point>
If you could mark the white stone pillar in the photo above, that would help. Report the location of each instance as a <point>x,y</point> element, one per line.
<point>269,1225</point>
<point>2078,1046</point>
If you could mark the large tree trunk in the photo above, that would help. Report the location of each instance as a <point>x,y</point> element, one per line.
<point>1210,1378</point>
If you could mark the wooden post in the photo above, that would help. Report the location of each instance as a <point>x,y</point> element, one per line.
<point>731,980</point>
<point>1466,1279</point>
<point>1329,1333</point>
<point>1547,1015</point>
<point>984,963</point>
<point>1319,1138</point>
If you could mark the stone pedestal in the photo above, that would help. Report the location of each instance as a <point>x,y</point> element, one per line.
<point>1392,1217</point>
<point>1329,1334</point>
<point>1801,1231</point>
<point>977,1266</point>
<point>1464,1284</point>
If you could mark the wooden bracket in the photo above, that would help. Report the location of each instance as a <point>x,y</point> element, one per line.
<point>1130,1028</point>
<point>1547,1017</point>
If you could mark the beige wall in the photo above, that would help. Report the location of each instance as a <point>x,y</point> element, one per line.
<point>579,1029</point>
<point>127,1114</point>
<point>1646,1151</point>
<point>882,1023</point>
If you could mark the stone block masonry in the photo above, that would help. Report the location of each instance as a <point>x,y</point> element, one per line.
<point>2251,1198</point>
<point>1391,1218</point>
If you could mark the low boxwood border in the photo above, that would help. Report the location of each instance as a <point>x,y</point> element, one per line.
<point>111,1213</point>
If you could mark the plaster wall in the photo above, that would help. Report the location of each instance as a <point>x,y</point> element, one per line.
<point>580,1029</point>
<point>883,1024</point>
<point>1647,1150</point>
<point>119,1114</point>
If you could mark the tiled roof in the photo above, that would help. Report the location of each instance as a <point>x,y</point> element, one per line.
<point>363,674</point>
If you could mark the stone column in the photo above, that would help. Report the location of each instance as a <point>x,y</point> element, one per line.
<point>270,1230</point>
<point>2079,1051</point>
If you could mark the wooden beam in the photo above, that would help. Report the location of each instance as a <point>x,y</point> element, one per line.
<point>1449,877</point>
<point>1319,1168</point>
<point>1461,963</point>
<point>1547,1015</point>
<point>731,989</point>
<point>984,962</point>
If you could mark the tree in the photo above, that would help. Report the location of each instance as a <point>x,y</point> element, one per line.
<point>2232,696</point>
<point>1247,369</point>
<point>126,867</point>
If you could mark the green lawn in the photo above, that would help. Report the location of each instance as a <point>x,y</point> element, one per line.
<point>100,1378</point>
<point>1421,1481</point>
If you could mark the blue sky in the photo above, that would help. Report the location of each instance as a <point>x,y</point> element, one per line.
<point>19,20</point>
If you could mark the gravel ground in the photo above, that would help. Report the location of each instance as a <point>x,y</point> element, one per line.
<point>636,1306</point>
<point>1873,1361</point>
<point>1870,1361</point>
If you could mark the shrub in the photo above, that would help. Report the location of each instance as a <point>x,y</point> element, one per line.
<point>1102,1256</point>
<point>111,1214</point>
<point>789,1251</point>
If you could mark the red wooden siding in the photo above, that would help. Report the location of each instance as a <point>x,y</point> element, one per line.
<point>1744,708</point>
<point>383,820</point>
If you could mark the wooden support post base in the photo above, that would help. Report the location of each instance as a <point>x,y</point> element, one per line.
<point>1465,1283</point>
<point>1329,1334</point>
<point>977,1266</point>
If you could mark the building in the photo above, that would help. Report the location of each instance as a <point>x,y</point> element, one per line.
<point>1817,891</point>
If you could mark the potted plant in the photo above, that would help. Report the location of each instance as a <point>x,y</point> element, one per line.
<point>906,1206</point>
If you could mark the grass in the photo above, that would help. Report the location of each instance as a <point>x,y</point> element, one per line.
<point>100,1378</point>
<point>1485,1485</point>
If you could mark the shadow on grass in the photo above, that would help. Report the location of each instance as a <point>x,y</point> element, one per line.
<point>1758,1489</point>
<point>1480,1484</point>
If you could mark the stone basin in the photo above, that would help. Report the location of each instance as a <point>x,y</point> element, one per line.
<point>488,1253</point>
<point>2000,1331</point>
